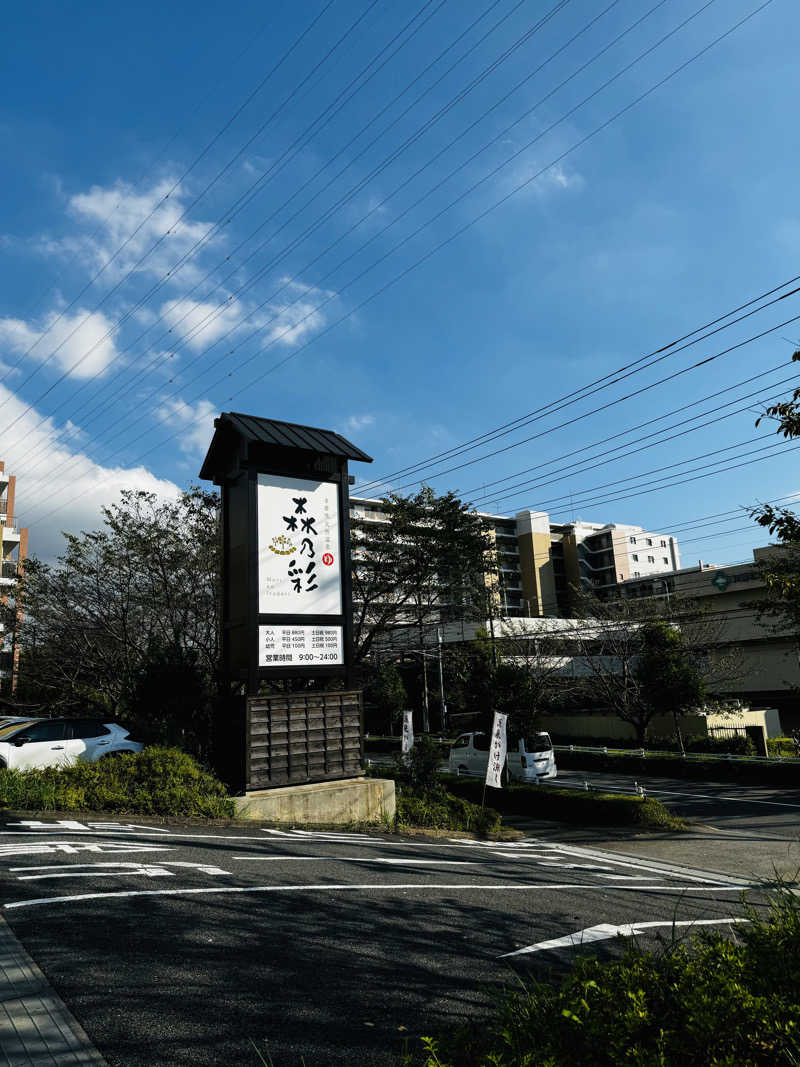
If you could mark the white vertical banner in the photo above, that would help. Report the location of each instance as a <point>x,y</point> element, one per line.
<point>407,742</point>
<point>497,751</point>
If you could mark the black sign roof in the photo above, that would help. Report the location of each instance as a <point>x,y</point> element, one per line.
<point>250,429</point>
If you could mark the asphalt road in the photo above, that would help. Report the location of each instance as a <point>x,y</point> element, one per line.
<point>189,946</point>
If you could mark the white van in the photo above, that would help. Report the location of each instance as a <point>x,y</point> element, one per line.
<point>530,759</point>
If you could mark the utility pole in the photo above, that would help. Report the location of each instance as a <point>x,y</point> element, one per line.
<point>441,679</point>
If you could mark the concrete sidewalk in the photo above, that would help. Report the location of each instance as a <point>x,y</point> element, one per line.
<point>35,1025</point>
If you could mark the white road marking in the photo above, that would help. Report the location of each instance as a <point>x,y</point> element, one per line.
<point>488,887</point>
<point>115,870</point>
<point>606,930</point>
<point>359,859</point>
<point>72,824</point>
<point>708,796</point>
<point>72,848</point>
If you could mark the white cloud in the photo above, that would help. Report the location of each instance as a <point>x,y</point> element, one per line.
<point>355,423</point>
<point>201,324</point>
<point>59,488</point>
<point>81,343</point>
<point>196,423</point>
<point>115,216</point>
<point>290,323</point>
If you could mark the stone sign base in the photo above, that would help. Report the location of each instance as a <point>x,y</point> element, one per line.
<point>347,801</point>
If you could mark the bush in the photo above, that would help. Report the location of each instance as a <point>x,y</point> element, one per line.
<point>707,1001</point>
<point>572,806</point>
<point>781,746</point>
<point>157,781</point>
<point>440,810</point>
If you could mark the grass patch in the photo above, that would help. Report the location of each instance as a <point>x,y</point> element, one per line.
<point>706,1001</point>
<point>157,781</point>
<point>441,810</point>
<point>569,805</point>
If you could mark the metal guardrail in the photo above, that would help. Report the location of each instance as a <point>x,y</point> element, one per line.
<point>642,753</point>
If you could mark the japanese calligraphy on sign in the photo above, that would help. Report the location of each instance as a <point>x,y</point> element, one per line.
<point>298,547</point>
<point>497,751</point>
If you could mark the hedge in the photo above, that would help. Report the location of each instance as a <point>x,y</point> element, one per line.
<point>570,806</point>
<point>704,768</point>
<point>157,781</point>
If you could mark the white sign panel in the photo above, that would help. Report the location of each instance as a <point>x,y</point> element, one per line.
<point>299,564</point>
<point>407,742</point>
<point>300,646</point>
<point>497,751</point>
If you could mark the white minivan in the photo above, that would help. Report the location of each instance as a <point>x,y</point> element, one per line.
<point>530,759</point>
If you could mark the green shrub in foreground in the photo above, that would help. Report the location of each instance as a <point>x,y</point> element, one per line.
<point>157,781</point>
<point>709,1002</point>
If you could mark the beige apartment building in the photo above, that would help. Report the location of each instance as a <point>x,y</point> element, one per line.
<point>540,562</point>
<point>13,551</point>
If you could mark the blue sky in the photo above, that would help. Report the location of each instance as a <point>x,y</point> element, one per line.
<point>412,224</point>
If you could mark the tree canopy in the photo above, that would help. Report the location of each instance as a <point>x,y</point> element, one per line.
<point>126,622</point>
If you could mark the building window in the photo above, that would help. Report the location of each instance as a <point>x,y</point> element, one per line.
<point>651,559</point>
<point>665,560</point>
<point>663,544</point>
<point>650,542</point>
<point>636,574</point>
<point>633,540</point>
<point>635,558</point>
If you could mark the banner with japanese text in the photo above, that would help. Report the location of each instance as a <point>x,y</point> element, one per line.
<point>407,742</point>
<point>497,752</point>
<point>299,565</point>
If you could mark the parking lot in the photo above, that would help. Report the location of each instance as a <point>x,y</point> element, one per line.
<point>186,945</point>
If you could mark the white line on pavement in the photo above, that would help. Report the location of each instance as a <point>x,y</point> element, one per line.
<point>606,930</point>
<point>488,887</point>
<point>359,859</point>
<point>710,796</point>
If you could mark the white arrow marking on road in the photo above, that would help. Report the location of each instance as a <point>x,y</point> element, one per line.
<point>606,930</point>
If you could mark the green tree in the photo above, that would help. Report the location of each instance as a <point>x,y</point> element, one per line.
<point>669,681</point>
<point>781,569</point>
<point>126,622</point>
<point>425,560</point>
<point>384,697</point>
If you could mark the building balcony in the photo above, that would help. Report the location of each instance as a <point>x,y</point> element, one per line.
<point>8,569</point>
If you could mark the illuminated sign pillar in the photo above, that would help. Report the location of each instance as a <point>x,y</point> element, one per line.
<point>286,594</point>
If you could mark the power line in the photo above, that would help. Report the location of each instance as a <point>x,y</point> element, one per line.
<point>210,316</point>
<point>582,141</point>
<point>183,176</point>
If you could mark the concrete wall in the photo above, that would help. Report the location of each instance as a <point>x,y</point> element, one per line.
<point>354,800</point>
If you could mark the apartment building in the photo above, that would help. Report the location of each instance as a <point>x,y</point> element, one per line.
<point>539,562</point>
<point>13,550</point>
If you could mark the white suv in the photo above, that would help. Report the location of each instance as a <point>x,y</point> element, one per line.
<point>60,742</point>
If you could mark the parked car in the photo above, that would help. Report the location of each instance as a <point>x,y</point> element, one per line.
<point>61,742</point>
<point>529,759</point>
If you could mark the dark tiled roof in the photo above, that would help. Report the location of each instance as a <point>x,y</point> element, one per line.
<point>285,434</point>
